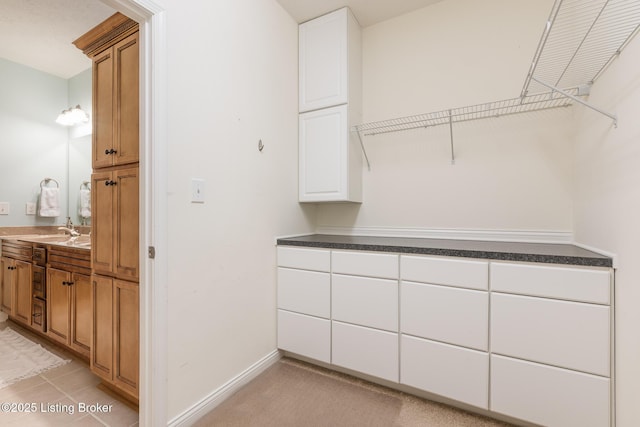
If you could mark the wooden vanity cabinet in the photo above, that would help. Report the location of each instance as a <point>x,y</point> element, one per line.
<point>69,307</point>
<point>16,280</point>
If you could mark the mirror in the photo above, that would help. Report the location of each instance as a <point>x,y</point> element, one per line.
<point>41,74</point>
<point>35,147</point>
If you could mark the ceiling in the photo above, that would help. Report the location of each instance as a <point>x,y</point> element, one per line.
<point>367,12</point>
<point>38,33</point>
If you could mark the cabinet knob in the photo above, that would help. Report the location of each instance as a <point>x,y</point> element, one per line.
<point>108,183</point>
<point>110,151</point>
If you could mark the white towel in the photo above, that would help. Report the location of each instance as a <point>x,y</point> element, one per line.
<point>49,201</point>
<point>85,203</point>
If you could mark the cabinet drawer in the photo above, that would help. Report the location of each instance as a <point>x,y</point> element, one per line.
<point>365,350</point>
<point>577,284</point>
<point>443,271</point>
<point>306,259</point>
<point>548,396</point>
<point>451,315</point>
<point>365,264</point>
<point>365,301</point>
<point>447,370</point>
<point>562,333</point>
<point>303,291</point>
<point>304,335</point>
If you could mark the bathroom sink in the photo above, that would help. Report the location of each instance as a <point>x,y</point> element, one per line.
<point>61,239</point>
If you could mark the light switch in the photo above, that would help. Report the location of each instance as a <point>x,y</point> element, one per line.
<point>30,208</point>
<point>197,190</point>
<point>4,208</point>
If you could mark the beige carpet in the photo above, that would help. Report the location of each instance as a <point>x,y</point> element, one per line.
<point>293,393</point>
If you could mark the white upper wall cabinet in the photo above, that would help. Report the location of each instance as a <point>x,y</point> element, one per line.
<point>325,59</point>
<point>330,103</point>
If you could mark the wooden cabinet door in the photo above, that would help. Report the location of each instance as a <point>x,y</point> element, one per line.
<point>102,222</point>
<point>125,240</point>
<point>81,313</point>
<point>23,292</point>
<point>6,300</point>
<point>126,100</point>
<point>126,336</point>
<point>58,307</point>
<point>102,338</point>
<point>103,109</point>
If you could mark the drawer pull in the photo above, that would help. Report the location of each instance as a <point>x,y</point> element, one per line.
<point>108,183</point>
<point>37,314</point>
<point>110,151</point>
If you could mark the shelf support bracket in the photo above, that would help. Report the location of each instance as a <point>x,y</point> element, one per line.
<point>363,149</point>
<point>453,158</point>
<point>580,101</point>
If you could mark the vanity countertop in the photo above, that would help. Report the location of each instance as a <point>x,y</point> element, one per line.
<point>554,253</point>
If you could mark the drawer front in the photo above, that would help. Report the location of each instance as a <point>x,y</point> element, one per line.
<point>365,264</point>
<point>365,301</point>
<point>305,259</point>
<point>39,282</point>
<point>303,291</point>
<point>576,284</point>
<point>304,335</point>
<point>451,315</point>
<point>561,333</point>
<point>444,271</point>
<point>365,350</point>
<point>548,396</point>
<point>450,371</point>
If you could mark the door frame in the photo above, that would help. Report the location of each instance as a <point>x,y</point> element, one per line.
<point>153,207</point>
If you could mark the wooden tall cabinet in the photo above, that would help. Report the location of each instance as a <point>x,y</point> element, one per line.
<point>114,48</point>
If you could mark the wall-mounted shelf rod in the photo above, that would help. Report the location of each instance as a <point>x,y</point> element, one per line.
<point>578,100</point>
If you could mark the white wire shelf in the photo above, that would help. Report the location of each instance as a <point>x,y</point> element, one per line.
<point>541,101</point>
<point>580,40</point>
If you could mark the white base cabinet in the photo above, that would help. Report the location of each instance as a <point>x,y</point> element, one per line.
<point>520,339</point>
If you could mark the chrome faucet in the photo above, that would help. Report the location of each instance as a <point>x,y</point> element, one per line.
<point>70,229</point>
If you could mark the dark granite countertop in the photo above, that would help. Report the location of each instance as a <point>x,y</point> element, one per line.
<point>508,251</point>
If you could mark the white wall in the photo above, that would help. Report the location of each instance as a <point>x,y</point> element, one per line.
<point>232,81</point>
<point>34,146</point>
<point>607,208</point>
<point>511,173</point>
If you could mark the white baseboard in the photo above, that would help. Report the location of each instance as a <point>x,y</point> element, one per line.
<point>527,236</point>
<point>207,404</point>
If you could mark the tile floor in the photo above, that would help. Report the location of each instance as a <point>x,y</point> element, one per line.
<point>60,388</point>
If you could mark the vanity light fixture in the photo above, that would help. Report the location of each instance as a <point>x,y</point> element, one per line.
<point>72,116</point>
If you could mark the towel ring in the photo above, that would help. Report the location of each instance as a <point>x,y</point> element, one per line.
<point>46,181</point>
<point>85,184</point>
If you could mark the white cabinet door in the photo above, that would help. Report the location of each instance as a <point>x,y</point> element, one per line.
<point>365,350</point>
<point>325,156</point>
<point>451,315</point>
<point>306,292</point>
<point>547,395</point>
<point>450,371</point>
<point>323,55</point>
<point>562,333</point>
<point>304,335</point>
<point>365,301</point>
